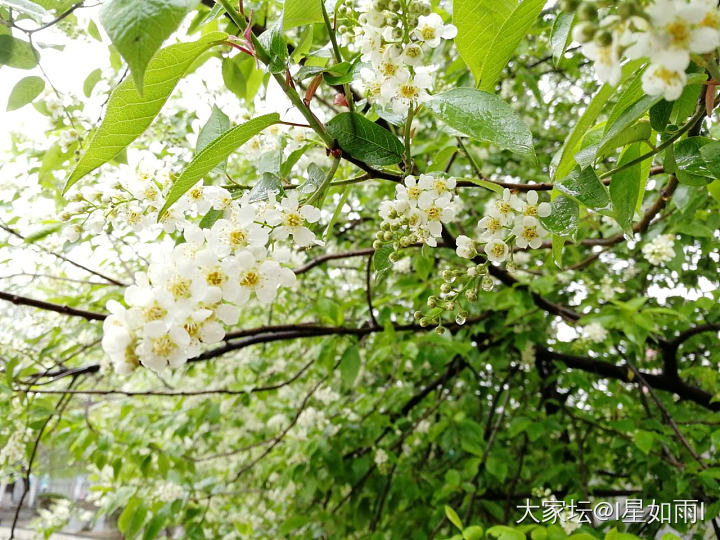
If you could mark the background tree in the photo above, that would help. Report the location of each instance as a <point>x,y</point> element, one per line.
<point>381,269</point>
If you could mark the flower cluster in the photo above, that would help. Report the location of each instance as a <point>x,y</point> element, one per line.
<point>417,213</point>
<point>394,39</point>
<point>660,249</point>
<point>508,219</point>
<point>667,33</point>
<point>190,291</point>
<point>594,332</point>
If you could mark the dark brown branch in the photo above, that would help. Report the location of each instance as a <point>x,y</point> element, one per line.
<point>331,257</point>
<point>49,306</point>
<point>621,373</point>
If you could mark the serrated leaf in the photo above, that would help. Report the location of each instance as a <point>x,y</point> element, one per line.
<point>365,140</point>
<point>138,28</point>
<point>483,116</point>
<point>560,36</point>
<point>17,53</point>
<point>506,39</point>
<point>477,22</point>
<point>25,91</point>
<point>301,12</point>
<point>691,167</point>
<point>563,218</point>
<point>273,42</point>
<point>214,153</point>
<point>129,114</point>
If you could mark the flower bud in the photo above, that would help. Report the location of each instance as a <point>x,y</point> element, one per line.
<point>587,12</point>
<point>487,283</point>
<point>445,288</point>
<point>377,244</point>
<point>471,295</point>
<point>394,257</point>
<point>432,302</point>
<point>603,38</point>
<point>425,321</point>
<point>387,236</point>
<point>448,275</point>
<point>418,315</point>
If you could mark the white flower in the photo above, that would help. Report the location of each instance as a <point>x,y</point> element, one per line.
<point>678,30</point>
<point>659,79</point>
<point>504,208</point>
<point>530,206</point>
<point>660,249</point>
<point>491,225</point>
<point>412,54</point>
<point>403,90</point>
<point>433,187</point>
<point>437,212</point>
<point>496,250</point>
<point>607,60</point>
<point>263,277</point>
<point>381,457</point>
<point>432,31</point>
<point>390,64</point>
<point>594,332</point>
<point>293,221</point>
<point>465,247</point>
<point>528,232</point>
<point>410,192</point>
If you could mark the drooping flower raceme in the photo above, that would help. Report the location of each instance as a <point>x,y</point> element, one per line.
<point>395,47</point>
<point>666,33</point>
<point>508,219</point>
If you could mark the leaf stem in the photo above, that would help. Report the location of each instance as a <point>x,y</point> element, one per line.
<point>337,52</point>
<point>326,182</point>
<point>407,158</point>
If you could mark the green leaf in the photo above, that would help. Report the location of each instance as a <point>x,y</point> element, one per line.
<point>453,517</point>
<point>301,12</point>
<point>563,219</point>
<point>267,187</point>
<point>217,124</point>
<point>560,37</point>
<point>129,114</point>
<point>91,80</point>
<point>585,187</point>
<point>692,167</point>
<point>483,116</point>
<point>138,28</point>
<point>31,9</point>
<point>25,91</point>
<point>17,53</point>
<point>477,22</point>
<point>566,157</point>
<point>315,178</point>
<point>628,117</point>
<point>365,140</point>
<point>349,365</point>
<point>711,154</point>
<point>273,44</point>
<point>473,532</point>
<point>714,189</point>
<point>660,115</point>
<point>625,188</point>
<point>506,39</point>
<point>631,93</point>
<point>216,152</point>
<point>502,532</point>
<point>644,440</point>
<point>497,467</point>
<point>381,258</point>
